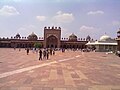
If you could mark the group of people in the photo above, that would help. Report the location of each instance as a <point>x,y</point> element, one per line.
<point>44,54</point>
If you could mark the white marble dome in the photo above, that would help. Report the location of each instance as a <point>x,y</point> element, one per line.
<point>105,38</point>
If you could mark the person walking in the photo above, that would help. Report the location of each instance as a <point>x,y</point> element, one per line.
<point>40,54</point>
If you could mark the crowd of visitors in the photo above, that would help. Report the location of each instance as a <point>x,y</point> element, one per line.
<point>46,52</point>
<point>43,53</point>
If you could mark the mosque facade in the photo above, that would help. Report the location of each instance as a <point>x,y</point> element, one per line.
<point>52,39</point>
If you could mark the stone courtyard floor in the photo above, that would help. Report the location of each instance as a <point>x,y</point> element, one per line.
<point>63,71</point>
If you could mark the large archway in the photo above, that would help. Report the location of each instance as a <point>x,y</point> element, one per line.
<point>52,42</point>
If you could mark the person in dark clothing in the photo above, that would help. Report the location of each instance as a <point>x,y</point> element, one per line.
<point>63,49</point>
<point>27,51</point>
<point>19,49</point>
<point>53,52</point>
<point>44,54</point>
<point>47,53</point>
<point>40,54</point>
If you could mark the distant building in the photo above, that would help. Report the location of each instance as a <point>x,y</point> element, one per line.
<point>52,39</point>
<point>118,39</point>
<point>106,43</point>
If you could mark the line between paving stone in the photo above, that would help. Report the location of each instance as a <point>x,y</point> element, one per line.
<point>6,74</point>
<point>24,69</point>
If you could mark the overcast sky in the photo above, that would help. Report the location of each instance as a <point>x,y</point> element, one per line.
<point>81,17</point>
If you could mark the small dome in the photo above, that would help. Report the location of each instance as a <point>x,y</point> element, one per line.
<point>17,35</point>
<point>73,37</point>
<point>118,31</point>
<point>32,37</point>
<point>88,38</point>
<point>105,38</point>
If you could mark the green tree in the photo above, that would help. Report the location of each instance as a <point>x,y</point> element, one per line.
<point>37,45</point>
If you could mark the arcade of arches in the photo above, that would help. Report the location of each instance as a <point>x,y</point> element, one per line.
<point>52,39</point>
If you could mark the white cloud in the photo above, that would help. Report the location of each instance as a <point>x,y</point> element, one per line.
<point>116,23</point>
<point>65,32</point>
<point>59,12</point>
<point>95,12</point>
<point>11,0</point>
<point>86,28</point>
<point>8,11</point>
<point>41,18</point>
<point>89,30</point>
<point>59,0</point>
<point>17,0</point>
<point>63,17</point>
<point>26,30</point>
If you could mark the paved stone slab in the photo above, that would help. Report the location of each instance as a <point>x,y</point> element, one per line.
<point>63,71</point>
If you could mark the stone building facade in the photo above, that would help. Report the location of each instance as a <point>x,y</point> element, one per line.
<point>52,39</point>
<point>105,44</point>
<point>118,39</point>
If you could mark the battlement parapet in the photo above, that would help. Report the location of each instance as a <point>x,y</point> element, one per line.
<point>52,28</point>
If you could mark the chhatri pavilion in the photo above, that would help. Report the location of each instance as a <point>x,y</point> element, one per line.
<point>106,43</point>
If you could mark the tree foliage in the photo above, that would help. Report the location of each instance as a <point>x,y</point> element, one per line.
<point>37,45</point>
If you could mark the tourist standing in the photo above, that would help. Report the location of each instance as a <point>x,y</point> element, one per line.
<point>33,50</point>
<point>44,54</point>
<point>27,51</point>
<point>14,48</point>
<point>53,52</point>
<point>40,54</point>
<point>63,49</point>
<point>19,49</point>
<point>47,52</point>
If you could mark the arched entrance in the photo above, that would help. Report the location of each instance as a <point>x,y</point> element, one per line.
<point>52,42</point>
